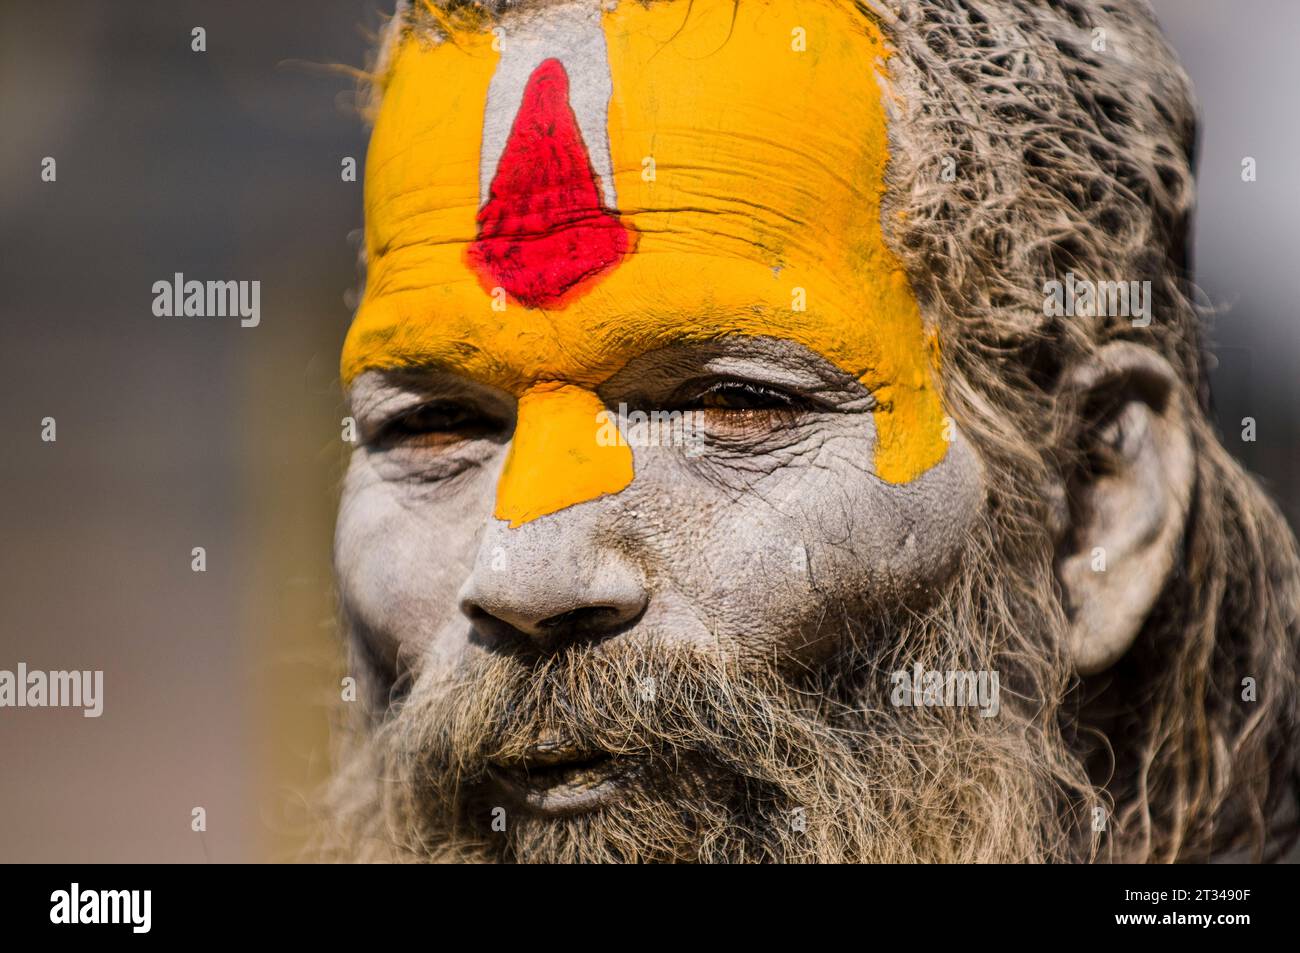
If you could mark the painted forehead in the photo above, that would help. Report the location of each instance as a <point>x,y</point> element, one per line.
<point>550,199</point>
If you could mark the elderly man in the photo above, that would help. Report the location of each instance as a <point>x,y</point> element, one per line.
<point>931,554</point>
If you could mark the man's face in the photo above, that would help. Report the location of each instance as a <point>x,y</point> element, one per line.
<point>595,611</point>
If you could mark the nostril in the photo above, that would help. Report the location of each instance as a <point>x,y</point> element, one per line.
<point>476,614</point>
<point>583,619</point>
<point>502,627</point>
<point>489,625</point>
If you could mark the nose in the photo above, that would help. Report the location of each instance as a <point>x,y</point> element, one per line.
<point>548,585</point>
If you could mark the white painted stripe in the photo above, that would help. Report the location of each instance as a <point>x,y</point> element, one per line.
<point>571,33</point>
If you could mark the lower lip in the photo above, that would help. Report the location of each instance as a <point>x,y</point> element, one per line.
<point>572,792</point>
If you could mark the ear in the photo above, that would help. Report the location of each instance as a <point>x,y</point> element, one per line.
<point>1128,499</point>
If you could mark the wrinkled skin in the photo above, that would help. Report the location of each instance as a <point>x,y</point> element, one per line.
<point>757,543</point>
<point>775,526</point>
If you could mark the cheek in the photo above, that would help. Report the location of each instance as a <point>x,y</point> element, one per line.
<point>906,539</point>
<point>778,566</point>
<point>402,553</point>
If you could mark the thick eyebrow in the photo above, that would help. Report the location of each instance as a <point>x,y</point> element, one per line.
<point>774,361</point>
<point>412,367</point>
<point>377,392</point>
<point>669,352</point>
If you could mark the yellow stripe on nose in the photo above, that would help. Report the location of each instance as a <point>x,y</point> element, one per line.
<point>558,457</point>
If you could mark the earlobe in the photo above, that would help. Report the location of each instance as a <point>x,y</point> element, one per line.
<point>1128,494</point>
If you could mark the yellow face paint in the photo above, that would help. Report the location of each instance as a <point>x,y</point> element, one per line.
<point>557,456</point>
<point>743,151</point>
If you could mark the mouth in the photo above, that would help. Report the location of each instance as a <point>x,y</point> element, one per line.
<point>554,779</point>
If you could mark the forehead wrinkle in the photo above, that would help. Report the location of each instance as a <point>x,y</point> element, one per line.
<point>590,362</point>
<point>751,227</point>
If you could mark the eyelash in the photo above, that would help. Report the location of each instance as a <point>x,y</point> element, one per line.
<point>761,397</point>
<point>460,419</point>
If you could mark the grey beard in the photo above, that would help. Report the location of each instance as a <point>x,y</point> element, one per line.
<point>735,761</point>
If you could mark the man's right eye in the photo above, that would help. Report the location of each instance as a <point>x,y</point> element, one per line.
<point>436,423</point>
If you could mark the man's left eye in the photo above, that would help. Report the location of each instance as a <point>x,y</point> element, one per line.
<point>743,409</point>
<point>743,395</point>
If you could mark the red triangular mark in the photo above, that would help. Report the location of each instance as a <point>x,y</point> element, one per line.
<point>544,231</point>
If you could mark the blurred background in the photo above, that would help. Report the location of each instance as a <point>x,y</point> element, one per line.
<point>177,433</point>
<point>172,433</point>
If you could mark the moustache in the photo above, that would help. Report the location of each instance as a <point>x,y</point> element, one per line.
<point>649,710</point>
